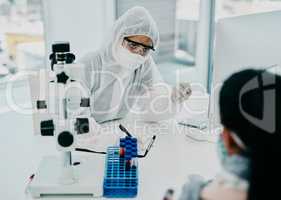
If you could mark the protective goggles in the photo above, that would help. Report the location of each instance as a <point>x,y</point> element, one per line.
<point>135,46</point>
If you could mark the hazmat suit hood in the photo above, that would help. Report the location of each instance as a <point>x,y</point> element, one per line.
<point>136,21</point>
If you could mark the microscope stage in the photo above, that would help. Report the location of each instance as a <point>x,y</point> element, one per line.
<point>46,181</point>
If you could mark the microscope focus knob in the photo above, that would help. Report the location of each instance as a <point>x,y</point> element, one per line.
<point>47,128</point>
<point>85,102</point>
<point>65,139</point>
<point>82,125</point>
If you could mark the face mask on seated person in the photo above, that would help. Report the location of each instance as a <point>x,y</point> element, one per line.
<point>222,151</point>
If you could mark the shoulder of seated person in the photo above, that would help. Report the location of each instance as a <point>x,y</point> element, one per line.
<point>216,191</point>
<point>93,57</point>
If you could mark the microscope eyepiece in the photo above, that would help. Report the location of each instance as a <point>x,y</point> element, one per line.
<point>61,54</point>
<point>61,47</point>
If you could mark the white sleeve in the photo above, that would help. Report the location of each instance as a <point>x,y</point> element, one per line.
<point>92,64</point>
<point>151,75</point>
<point>156,104</point>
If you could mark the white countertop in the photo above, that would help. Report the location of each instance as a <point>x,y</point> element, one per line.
<point>173,157</point>
<point>171,160</point>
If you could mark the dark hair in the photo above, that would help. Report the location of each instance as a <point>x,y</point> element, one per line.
<point>247,92</point>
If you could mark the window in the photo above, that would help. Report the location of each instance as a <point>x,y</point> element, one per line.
<point>228,8</point>
<point>187,19</point>
<point>21,36</point>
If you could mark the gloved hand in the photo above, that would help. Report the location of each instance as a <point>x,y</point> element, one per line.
<point>181,92</point>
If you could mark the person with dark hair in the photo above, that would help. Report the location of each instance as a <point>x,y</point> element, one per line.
<point>250,143</point>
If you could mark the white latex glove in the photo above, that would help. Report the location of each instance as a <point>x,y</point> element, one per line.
<point>181,92</point>
<point>156,104</point>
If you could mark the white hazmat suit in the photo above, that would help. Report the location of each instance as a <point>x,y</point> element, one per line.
<point>117,79</point>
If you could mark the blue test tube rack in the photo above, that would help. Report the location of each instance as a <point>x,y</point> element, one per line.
<point>121,172</point>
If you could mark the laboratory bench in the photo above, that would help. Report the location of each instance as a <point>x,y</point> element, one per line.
<point>172,158</point>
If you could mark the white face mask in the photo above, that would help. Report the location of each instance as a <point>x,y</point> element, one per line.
<point>127,59</point>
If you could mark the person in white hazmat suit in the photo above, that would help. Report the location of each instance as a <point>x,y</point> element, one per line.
<point>123,73</point>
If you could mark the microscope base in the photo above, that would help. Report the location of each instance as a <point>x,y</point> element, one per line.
<point>46,180</point>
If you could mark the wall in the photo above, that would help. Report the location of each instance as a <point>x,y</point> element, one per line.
<point>83,23</point>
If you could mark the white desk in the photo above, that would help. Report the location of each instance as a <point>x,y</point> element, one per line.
<point>170,161</point>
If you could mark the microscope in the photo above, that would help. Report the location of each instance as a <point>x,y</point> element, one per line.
<point>61,104</point>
